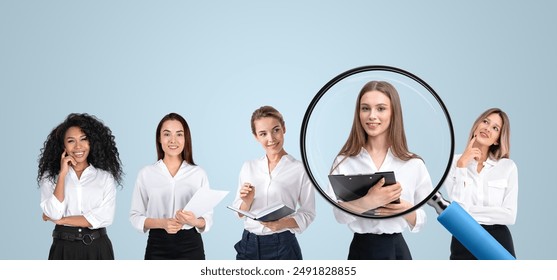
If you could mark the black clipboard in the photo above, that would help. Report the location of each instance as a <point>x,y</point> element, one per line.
<point>351,187</point>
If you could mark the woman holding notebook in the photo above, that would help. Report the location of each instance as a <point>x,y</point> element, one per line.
<point>274,179</point>
<point>484,180</point>
<point>377,142</point>
<point>163,189</point>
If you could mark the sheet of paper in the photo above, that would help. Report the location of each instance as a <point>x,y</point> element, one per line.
<point>204,200</point>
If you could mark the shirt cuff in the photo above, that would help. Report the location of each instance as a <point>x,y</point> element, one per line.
<point>95,223</point>
<point>53,208</point>
<point>420,221</point>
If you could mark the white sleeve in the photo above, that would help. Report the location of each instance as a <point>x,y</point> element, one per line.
<point>103,215</point>
<point>305,214</point>
<point>422,190</point>
<point>456,184</point>
<point>139,205</point>
<point>50,205</point>
<point>237,200</point>
<point>341,216</point>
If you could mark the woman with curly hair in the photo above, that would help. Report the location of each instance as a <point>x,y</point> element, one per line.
<point>79,169</point>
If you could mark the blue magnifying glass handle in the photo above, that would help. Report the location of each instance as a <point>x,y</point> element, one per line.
<point>467,230</point>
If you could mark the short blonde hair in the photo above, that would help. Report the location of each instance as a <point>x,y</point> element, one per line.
<point>265,112</point>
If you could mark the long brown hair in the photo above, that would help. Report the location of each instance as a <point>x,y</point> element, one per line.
<point>503,150</point>
<point>397,138</point>
<point>187,151</point>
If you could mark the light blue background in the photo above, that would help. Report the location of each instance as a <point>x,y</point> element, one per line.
<point>214,62</point>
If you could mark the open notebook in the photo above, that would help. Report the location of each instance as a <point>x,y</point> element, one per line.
<point>271,213</point>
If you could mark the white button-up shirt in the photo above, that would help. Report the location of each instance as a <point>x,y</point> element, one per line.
<point>93,196</point>
<point>491,196</point>
<point>413,177</point>
<point>158,195</point>
<point>288,183</point>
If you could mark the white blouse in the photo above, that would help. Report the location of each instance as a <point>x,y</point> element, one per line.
<point>288,183</point>
<point>158,195</point>
<point>491,196</point>
<point>413,177</point>
<point>93,196</point>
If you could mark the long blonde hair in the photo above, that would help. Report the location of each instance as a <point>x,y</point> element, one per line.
<point>397,138</point>
<point>503,150</point>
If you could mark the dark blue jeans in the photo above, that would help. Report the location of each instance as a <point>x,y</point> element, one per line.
<point>277,246</point>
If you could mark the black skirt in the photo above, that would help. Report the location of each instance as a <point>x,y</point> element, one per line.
<point>186,244</point>
<point>501,233</point>
<point>77,243</point>
<point>371,246</point>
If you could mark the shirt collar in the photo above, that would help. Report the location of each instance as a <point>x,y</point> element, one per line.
<point>490,161</point>
<point>386,163</point>
<point>162,166</point>
<point>285,157</point>
<point>88,169</point>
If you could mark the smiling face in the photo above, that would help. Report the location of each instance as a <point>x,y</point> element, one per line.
<point>488,130</point>
<point>76,144</point>
<point>270,134</point>
<point>375,113</point>
<point>172,138</point>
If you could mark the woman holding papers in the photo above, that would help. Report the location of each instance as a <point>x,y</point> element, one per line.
<point>377,142</point>
<point>163,189</point>
<point>79,169</point>
<point>274,179</point>
<point>484,180</point>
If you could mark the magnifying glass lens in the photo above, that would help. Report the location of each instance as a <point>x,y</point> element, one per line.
<point>361,142</point>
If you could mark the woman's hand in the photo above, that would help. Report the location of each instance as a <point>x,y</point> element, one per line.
<point>469,153</point>
<point>380,195</point>
<point>278,225</point>
<point>377,196</point>
<point>172,226</point>
<point>65,162</point>
<point>247,194</point>
<point>188,218</point>
<point>393,208</point>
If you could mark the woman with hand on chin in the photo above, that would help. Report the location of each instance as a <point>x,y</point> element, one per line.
<point>377,142</point>
<point>274,178</point>
<point>79,170</point>
<point>163,189</point>
<point>484,180</point>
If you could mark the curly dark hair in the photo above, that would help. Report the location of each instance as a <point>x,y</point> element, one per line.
<point>103,153</point>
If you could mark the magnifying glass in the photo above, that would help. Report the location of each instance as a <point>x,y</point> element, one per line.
<point>331,114</point>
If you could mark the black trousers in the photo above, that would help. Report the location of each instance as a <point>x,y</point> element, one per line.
<point>276,246</point>
<point>501,233</point>
<point>69,244</point>
<point>371,246</point>
<point>184,245</point>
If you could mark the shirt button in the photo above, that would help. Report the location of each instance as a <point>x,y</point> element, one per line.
<point>79,230</point>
